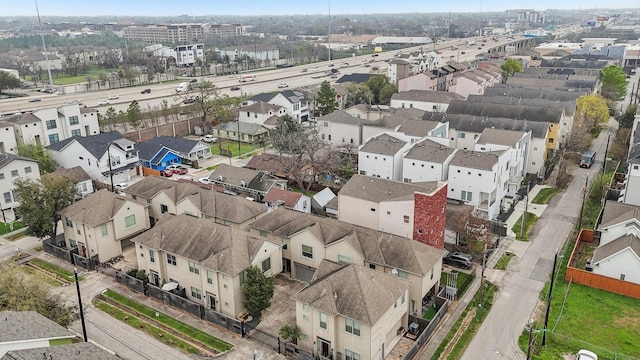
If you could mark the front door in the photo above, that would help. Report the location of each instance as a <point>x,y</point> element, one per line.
<point>286,265</point>
<point>211,301</point>
<point>155,278</point>
<point>324,348</point>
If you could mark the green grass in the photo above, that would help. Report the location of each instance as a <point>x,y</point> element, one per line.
<point>483,297</point>
<point>530,221</point>
<point>134,322</point>
<point>5,228</point>
<point>212,167</point>
<point>66,80</point>
<point>590,213</point>
<point>603,322</point>
<point>503,262</point>
<point>54,269</point>
<point>179,326</point>
<point>49,280</point>
<point>462,277</point>
<point>430,313</point>
<point>233,147</point>
<point>544,196</point>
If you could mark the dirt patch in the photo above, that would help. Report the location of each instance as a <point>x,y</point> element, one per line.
<point>628,322</point>
<point>400,350</point>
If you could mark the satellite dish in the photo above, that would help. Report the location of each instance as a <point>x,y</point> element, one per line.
<point>394,271</point>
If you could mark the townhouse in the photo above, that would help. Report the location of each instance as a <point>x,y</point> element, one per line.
<point>205,261</point>
<point>108,158</point>
<point>100,224</point>
<point>381,156</point>
<point>427,161</point>
<point>167,196</point>
<point>14,167</point>
<point>435,101</point>
<point>307,240</point>
<point>352,312</point>
<point>474,82</point>
<point>341,130</point>
<point>245,132</point>
<point>423,81</point>
<point>415,211</point>
<point>294,101</point>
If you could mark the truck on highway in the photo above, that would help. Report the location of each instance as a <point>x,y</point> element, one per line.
<point>471,42</point>
<point>247,77</point>
<point>183,87</point>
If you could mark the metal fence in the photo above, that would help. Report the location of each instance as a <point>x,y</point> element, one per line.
<point>292,351</point>
<point>132,283</point>
<point>86,263</point>
<point>59,252</point>
<point>426,333</point>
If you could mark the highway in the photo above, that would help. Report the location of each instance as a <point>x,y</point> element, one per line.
<point>266,80</point>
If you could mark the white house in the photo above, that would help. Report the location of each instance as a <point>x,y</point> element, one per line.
<point>289,199</point>
<point>479,179</point>
<point>8,142</point>
<point>427,161</point>
<point>340,129</point>
<point>381,156</point>
<point>92,154</point>
<point>261,113</point>
<point>434,101</point>
<point>13,167</point>
<point>294,101</point>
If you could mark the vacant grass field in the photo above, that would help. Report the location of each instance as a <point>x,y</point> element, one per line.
<point>544,196</point>
<point>233,147</point>
<point>54,269</point>
<point>603,322</point>
<point>94,73</point>
<point>530,220</point>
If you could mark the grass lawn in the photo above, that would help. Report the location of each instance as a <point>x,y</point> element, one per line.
<point>186,329</point>
<point>134,322</point>
<point>590,213</point>
<point>6,228</point>
<point>530,220</point>
<point>503,262</point>
<point>49,280</point>
<point>233,147</point>
<point>94,73</point>
<point>603,322</point>
<point>485,298</point>
<point>47,266</point>
<point>430,313</point>
<point>544,196</point>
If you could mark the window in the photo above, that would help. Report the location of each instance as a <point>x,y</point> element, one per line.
<point>27,170</point>
<point>196,293</point>
<point>54,138</point>
<point>76,132</point>
<point>226,304</point>
<point>266,265</point>
<point>14,173</point>
<point>51,124</point>
<point>372,210</point>
<point>241,276</point>
<point>388,213</point>
<point>329,137</point>
<point>402,274</point>
<point>103,229</point>
<point>550,140</point>
<point>163,208</point>
<point>152,256</point>
<point>73,120</point>
<point>130,221</point>
<point>323,320</point>
<point>193,267</point>
<point>460,135</point>
<point>406,219</point>
<point>285,244</point>
<point>115,160</point>
<point>305,307</point>
<point>72,243</point>
<point>263,233</point>
<point>466,195</point>
<point>2,176</point>
<point>305,317</point>
<point>342,258</point>
<point>171,260</point>
<point>307,251</point>
<point>350,355</point>
<point>68,222</point>
<point>352,327</point>
<point>209,277</point>
<point>326,123</point>
<point>7,197</point>
<point>622,276</point>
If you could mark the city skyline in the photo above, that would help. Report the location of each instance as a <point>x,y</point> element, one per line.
<point>281,7</point>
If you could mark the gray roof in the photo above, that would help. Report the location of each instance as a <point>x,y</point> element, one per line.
<point>340,117</point>
<point>214,246</point>
<point>96,145</point>
<point>476,124</point>
<point>75,351</point>
<point>616,213</point>
<point>430,151</point>
<point>500,137</point>
<point>475,159</point>
<point>97,208</point>
<point>265,97</point>
<point>29,325</point>
<point>24,118</point>
<point>352,291</point>
<point>355,78</point>
<point>613,247</point>
<point>383,144</point>
<point>261,107</point>
<point>509,111</point>
<point>408,113</point>
<point>6,158</point>
<point>551,83</point>
<point>379,190</point>
<point>443,97</point>
<point>75,174</point>
<point>148,149</point>
<point>254,179</point>
<point>568,106</point>
<point>531,93</point>
<point>212,203</point>
<point>374,246</point>
<point>245,127</point>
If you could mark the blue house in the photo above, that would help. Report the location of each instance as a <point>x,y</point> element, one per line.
<point>162,151</point>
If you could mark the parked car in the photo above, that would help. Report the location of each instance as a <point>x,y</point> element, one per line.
<point>304,70</point>
<point>178,169</point>
<point>193,80</point>
<point>103,102</point>
<point>188,101</point>
<point>114,97</point>
<point>283,85</point>
<point>119,188</point>
<point>145,91</point>
<point>234,88</point>
<point>204,180</point>
<point>166,173</point>
<point>586,355</point>
<point>209,139</point>
<point>459,259</point>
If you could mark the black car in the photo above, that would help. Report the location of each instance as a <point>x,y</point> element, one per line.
<point>145,91</point>
<point>193,80</point>
<point>189,101</point>
<point>234,88</point>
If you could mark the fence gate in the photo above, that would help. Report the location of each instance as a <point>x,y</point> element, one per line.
<point>451,290</point>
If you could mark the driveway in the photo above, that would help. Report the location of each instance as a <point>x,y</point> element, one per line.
<point>283,308</point>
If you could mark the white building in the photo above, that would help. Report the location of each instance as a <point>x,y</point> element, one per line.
<point>13,167</point>
<point>434,101</point>
<point>183,55</point>
<point>381,156</point>
<point>427,161</point>
<point>261,113</point>
<point>294,101</point>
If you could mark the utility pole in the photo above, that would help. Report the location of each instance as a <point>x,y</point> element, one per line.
<point>329,36</point>
<point>44,48</point>
<point>84,327</point>
<point>606,150</point>
<point>110,169</point>
<point>546,315</point>
<point>585,190</point>
<point>530,341</point>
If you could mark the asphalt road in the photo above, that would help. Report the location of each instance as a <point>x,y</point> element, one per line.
<point>518,297</point>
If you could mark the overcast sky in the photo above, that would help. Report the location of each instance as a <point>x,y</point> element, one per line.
<point>282,7</point>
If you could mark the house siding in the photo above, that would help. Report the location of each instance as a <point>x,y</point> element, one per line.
<point>429,217</point>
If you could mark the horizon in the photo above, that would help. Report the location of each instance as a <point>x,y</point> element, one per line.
<point>151,8</point>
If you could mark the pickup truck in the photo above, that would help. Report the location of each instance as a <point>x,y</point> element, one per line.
<point>209,139</point>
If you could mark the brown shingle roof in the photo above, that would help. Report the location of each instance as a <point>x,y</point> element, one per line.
<point>97,208</point>
<point>383,144</point>
<point>272,163</point>
<point>75,174</point>
<point>615,213</point>
<point>475,159</point>
<point>353,291</point>
<point>379,190</point>
<point>289,198</point>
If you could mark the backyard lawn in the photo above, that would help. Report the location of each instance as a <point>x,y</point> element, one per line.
<point>233,147</point>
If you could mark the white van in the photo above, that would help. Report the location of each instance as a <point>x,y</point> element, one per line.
<point>185,86</point>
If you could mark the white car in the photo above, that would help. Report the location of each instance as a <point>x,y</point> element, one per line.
<point>283,85</point>
<point>209,139</point>
<point>586,355</point>
<point>114,97</point>
<point>103,102</point>
<point>204,180</point>
<point>119,188</point>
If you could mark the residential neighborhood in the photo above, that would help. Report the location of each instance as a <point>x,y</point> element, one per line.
<point>465,191</point>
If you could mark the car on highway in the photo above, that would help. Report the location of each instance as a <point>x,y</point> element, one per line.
<point>344,64</point>
<point>330,65</point>
<point>103,102</point>
<point>193,80</point>
<point>35,100</point>
<point>188,101</point>
<point>315,68</point>
<point>333,76</point>
<point>145,91</point>
<point>178,169</point>
<point>114,97</point>
<point>283,85</point>
<point>209,139</point>
<point>234,88</point>
<point>166,173</point>
<point>367,65</point>
<point>586,355</point>
<point>304,70</point>
<point>75,102</point>
<point>459,259</point>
